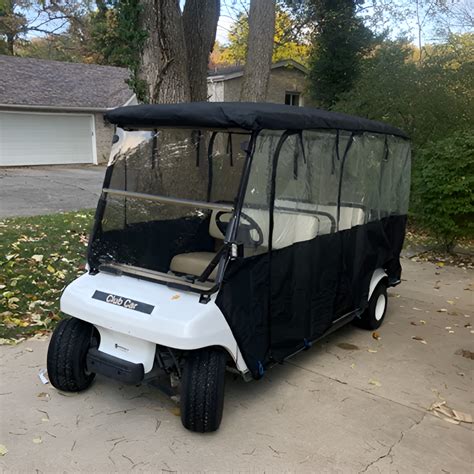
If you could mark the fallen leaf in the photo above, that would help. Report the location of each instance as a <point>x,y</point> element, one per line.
<point>3,450</point>
<point>463,417</point>
<point>37,440</point>
<point>445,418</point>
<point>442,310</point>
<point>447,327</point>
<point>7,342</point>
<point>176,297</point>
<point>375,382</point>
<point>449,415</point>
<point>417,309</point>
<point>420,339</point>
<point>422,321</point>
<point>50,269</point>
<point>376,335</point>
<point>450,301</point>
<point>37,258</point>
<point>353,365</point>
<point>373,351</point>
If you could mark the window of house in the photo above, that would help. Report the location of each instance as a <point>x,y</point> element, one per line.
<point>292,98</point>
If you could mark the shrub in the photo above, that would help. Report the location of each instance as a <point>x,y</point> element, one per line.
<point>443,188</point>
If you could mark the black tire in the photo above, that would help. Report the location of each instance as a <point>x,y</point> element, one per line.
<point>67,355</point>
<point>202,389</point>
<point>372,318</point>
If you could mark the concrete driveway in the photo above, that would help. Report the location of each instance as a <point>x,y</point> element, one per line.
<point>336,408</point>
<point>30,191</point>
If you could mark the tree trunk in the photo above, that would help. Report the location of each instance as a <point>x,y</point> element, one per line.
<point>200,25</point>
<point>10,43</point>
<point>163,61</point>
<point>259,51</point>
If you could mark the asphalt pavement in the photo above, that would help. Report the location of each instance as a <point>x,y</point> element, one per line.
<point>31,191</point>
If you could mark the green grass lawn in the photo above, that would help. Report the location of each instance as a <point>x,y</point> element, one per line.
<point>39,256</point>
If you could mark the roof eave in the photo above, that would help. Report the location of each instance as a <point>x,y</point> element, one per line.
<point>54,108</point>
<point>64,108</point>
<point>290,63</point>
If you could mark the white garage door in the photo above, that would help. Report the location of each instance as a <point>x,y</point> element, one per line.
<point>45,139</point>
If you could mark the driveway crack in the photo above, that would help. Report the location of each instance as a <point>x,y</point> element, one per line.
<point>392,447</point>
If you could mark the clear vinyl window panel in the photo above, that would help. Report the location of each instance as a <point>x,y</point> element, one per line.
<point>201,166</point>
<point>254,225</point>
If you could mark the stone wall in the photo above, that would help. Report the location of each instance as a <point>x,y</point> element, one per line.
<point>282,80</point>
<point>103,138</point>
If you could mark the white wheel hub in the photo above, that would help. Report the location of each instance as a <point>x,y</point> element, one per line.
<point>380,307</point>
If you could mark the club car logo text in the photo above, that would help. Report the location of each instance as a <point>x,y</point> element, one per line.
<point>119,301</point>
<point>123,302</point>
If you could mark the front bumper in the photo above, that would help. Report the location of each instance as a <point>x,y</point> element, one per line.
<point>113,367</point>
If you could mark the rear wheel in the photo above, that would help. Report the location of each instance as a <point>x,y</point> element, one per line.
<point>67,355</point>
<point>373,316</point>
<point>202,389</point>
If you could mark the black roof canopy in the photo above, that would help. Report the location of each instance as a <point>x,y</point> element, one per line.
<point>242,115</point>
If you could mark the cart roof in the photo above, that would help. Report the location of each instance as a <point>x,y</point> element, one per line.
<point>242,115</point>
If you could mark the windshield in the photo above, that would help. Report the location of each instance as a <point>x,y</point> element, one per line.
<point>163,192</point>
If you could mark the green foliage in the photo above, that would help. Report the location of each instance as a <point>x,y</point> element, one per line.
<point>443,188</point>
<point>429,100</point>
<point>64,47</point>
<point>340,40</point>
<point>3,47</point>
<point>118,39</point>
<point>433,101</point>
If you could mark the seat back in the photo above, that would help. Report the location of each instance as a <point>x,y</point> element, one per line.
<point>288,227</point>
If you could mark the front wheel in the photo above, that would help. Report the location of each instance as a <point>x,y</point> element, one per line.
<point>67,353</point>
<point>202,389</point>
<point>372,318</point>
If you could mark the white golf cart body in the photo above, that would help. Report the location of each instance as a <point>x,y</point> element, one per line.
<point>177,319</point>
<point>138,309</point>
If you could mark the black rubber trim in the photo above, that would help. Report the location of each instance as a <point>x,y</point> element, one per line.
<point>113,367</point>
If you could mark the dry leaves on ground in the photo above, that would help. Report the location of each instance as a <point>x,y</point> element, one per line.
<point>441,410</point>
<point>419,339</point>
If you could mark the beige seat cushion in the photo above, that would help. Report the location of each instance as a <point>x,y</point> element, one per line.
<point>193,263</point>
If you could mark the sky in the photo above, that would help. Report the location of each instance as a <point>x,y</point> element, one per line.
<point>230,9</point>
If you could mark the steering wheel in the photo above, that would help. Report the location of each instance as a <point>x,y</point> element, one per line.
<point>249,226</point>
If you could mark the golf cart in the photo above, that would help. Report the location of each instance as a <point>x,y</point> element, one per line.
<point>231,236</point>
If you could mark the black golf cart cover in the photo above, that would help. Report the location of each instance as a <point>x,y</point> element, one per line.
<point>330,194</point>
